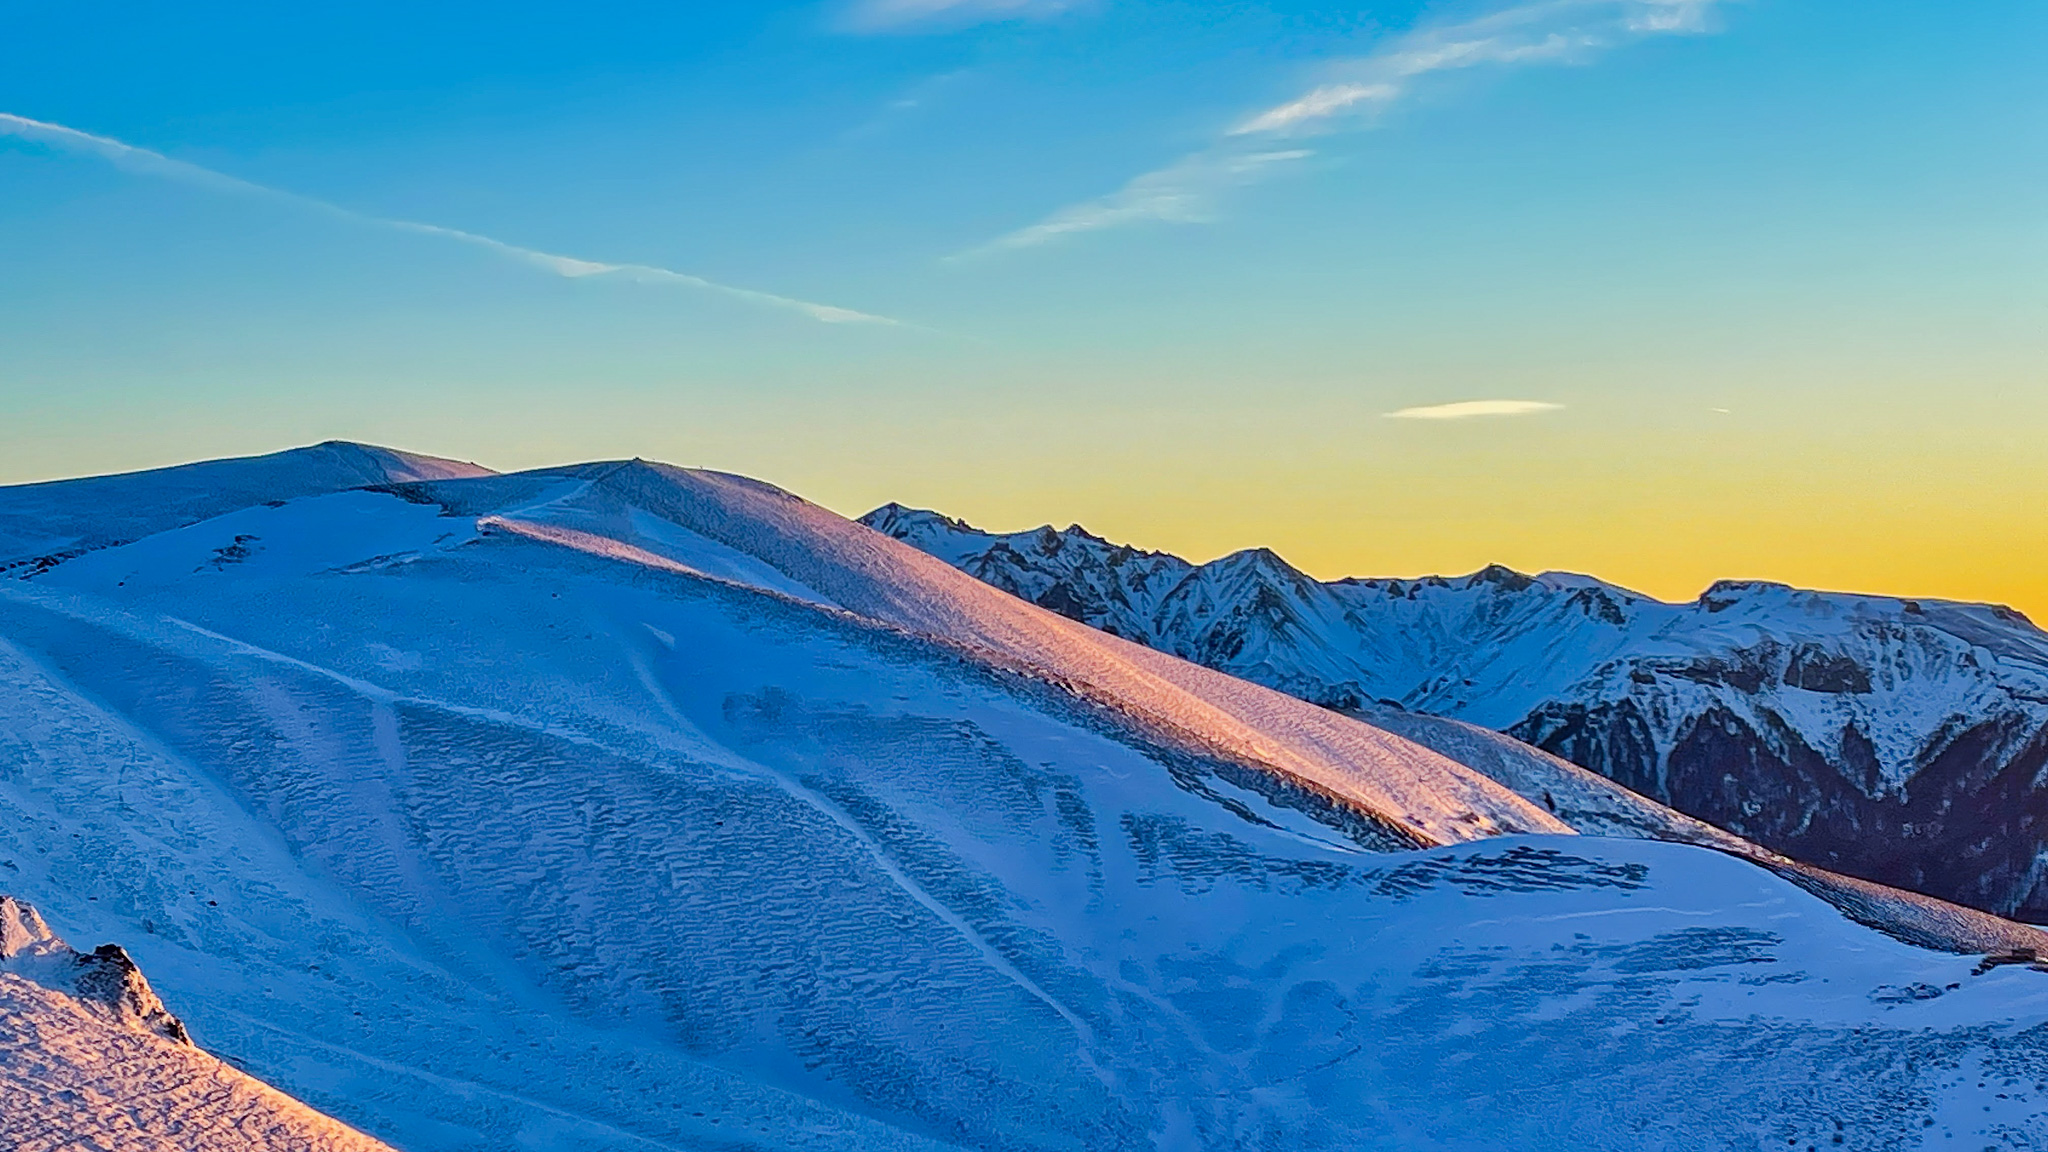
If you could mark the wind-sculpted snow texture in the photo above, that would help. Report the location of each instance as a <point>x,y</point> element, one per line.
<point>620,807</point>
<point>1903,741</point>
<point>89,1058</point>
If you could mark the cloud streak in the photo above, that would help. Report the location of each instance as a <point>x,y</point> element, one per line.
<point>145,162</point>
<point>1354,93</point>
<point>1183,193</point>
<point>1472,409</point>
<point>1552,32</point>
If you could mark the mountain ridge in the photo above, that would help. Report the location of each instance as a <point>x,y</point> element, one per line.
<point>1883,736</point>
<point>45,523</point>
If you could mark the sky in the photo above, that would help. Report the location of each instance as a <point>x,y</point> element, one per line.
<point>1664,291</point>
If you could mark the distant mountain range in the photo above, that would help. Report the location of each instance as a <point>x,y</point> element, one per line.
<point>1904,741</point>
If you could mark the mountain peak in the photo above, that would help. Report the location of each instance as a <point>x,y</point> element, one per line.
<point>1263,561</point>
<point>1744,587</point>
<point>1500,576</point>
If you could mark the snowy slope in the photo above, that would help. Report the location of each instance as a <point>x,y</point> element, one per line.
<point>1899,740</point>
<point>42,524</point>
<point>89,1058</point>
<point>617,806</point>
<point>1416,794</point>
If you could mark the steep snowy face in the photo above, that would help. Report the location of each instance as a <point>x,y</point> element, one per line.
<point>89,1057</point>
<point>618,806</point>
<point>1904,741</point>
<point>1899,740</point>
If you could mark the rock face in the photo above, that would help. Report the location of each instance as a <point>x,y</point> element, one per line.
<point>1902,741</point>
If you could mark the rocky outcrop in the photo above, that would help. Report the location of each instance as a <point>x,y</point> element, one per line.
<point>90,1058</point>
<point>105,980</point>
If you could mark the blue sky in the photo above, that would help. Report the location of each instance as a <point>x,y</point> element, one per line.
<point>1765,277</point>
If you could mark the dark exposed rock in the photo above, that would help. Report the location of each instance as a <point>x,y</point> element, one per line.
<point>1612,739</point>
<point>1967,827</point>
<point>1816,670</point>
<point>110,977</point>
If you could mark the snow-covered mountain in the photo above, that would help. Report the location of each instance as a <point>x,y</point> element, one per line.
<point>42,525</point>
<point>90,1058</point>
<point>620,806</point>
<point>1903,741</point>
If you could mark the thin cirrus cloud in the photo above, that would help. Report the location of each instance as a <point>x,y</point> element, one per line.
<point>899,15</point>
<point>1353,94</point>
<point>146,162</point>
<point>1182,193</point>
<point>1473,409</point>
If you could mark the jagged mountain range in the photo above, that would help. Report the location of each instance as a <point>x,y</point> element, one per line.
<point>622,806</point>
<point>1904,741</point>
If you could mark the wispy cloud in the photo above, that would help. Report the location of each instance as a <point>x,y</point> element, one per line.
<point>1353,94</point>
<point>897,15</point>
<point>1183,193</point>
<point>145,162</point>
<point>1319,102</point>
<point>1540,32</point>
<point>1469,409</point>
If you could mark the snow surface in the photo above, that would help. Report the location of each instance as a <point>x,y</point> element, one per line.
<point>621,807</point>
<point>1424,795</point>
